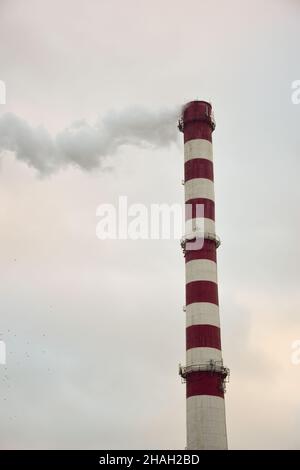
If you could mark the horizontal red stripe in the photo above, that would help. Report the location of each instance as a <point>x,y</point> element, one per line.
<point>197,130</point>
<point>201,291</point>
<point>191,208</point>
<point>204,383</point>
<point>196,109</point>
<point>208,251</point>
<point>197,114</point>
<point>203,336</point>
<point>198,168</point>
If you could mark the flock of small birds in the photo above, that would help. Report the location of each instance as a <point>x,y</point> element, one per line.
<point>14,358</point>
<point>6,383</point>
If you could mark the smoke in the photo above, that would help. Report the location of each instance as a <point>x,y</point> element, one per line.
<point>85,145</point>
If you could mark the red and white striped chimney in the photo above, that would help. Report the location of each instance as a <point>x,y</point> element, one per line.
<point>204,372</point>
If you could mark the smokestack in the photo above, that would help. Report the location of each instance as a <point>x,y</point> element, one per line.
<point>204,373</point>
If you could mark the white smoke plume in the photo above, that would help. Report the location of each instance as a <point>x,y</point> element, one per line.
<point>87,145</point>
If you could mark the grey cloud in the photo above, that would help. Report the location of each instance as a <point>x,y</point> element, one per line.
<point>85,145</point>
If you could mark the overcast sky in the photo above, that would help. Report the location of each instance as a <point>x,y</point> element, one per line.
<point>94,329</point>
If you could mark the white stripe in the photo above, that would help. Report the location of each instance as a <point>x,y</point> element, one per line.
<point>198,148</point>
<point>202,313</point>
<point>206,423</point>
<point>201,270</point>
<point>196,356</point>
<point>199,224</point>
<point>199,187</point>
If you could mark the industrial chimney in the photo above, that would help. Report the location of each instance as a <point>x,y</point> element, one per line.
<point>204,373</point>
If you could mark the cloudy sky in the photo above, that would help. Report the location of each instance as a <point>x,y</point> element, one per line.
<point>94,329</point>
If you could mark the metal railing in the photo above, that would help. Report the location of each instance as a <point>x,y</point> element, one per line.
<point>214,367</point>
